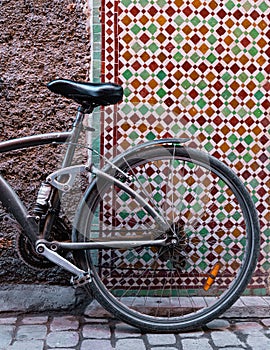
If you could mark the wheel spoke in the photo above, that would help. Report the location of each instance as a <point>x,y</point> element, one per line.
<point>210,219</point>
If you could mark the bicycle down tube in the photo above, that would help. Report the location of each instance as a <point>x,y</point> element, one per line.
<point>9,198</point>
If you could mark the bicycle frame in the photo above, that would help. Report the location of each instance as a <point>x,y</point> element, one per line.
<point>9,198</point>
<point>14,205</point>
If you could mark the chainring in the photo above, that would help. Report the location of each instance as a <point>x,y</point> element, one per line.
<point>26,250</point>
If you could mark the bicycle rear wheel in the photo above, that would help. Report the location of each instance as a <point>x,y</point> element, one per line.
<point>185,285</point>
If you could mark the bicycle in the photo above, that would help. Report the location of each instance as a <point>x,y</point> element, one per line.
<point>166,237</point>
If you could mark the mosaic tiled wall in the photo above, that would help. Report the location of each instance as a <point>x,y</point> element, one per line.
<point>196,69</point>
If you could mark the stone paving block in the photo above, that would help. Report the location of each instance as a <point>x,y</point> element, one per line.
<point>130,343</point>
<point>95,320</point>
<point>95,344</point>
<point>266,322</point>
<point>267,299</point>
<point>43,298</point>
<point>8,320</point>
<point>123,330</point>
<point>195,334</point>
<point>31,332</point>
<point>161,339</point>
<point>196,344</point>
<point>64,323</point>
<point>62,339</point>
<point>166,348</point>
<point>218,324</point>
<point>35,320</point>
<point>96,332</point>
<point>248,327</point>
<point>94,309</point>
<point>258,342</point>
<point>6,333</point>
<point>253,301</point>
<point>225,338</point>
<point>27,345</point>
<point>229,348</point>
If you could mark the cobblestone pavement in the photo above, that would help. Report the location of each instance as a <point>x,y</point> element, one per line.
<point>42,332</point>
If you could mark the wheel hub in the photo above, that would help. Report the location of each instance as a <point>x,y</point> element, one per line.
<point>175,250</point>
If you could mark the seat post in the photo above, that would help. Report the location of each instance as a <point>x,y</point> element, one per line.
<point>75,134</point>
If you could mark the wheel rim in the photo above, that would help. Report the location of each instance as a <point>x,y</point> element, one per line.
<point>172,284</point>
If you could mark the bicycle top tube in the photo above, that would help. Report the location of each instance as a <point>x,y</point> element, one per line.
<point>32,141</point>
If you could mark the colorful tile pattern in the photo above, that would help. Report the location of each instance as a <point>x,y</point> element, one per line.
<point>196,69</point>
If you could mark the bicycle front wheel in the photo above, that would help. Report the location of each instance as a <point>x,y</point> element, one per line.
<point>186,284</point>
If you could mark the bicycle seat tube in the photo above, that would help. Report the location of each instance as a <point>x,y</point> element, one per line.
<point>71,147</point>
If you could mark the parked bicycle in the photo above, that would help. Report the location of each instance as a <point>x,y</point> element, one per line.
<point>166,237</point>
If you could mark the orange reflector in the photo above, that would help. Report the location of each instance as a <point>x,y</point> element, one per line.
<point>212,276</point>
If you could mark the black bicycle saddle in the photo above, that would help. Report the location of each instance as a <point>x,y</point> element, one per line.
<point>88,94</point>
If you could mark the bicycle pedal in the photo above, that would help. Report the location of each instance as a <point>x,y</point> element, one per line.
<point>81,280</point>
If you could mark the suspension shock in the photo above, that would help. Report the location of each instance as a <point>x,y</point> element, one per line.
<point>43,199</point>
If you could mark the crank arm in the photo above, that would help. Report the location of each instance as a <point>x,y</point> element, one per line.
<point>81,278</point>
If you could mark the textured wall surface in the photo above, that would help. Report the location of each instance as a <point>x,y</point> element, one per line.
<point>39,41</point>
<point>196,69</point>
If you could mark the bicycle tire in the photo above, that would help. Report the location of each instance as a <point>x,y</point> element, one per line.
<point>172,290</point>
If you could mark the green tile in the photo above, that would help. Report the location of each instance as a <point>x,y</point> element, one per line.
<point>160,110</point>
<point>136,47</point>
<point>127,74</point>
<point>213,22</point>
<point>201,103</point>
<point>253,51</point>
<point>247,6</point>
<point>248,139</point>
<point>208,146</point>
<point>236,50</point>
<point>153,47</point>
<point>260,77</point>
<point>226,77</point>
<point>243,77</point>
<point>211,58</point>
<point>150,136</point>
<point>232,138</point>
<point>178,38</point>
<point>143,3</point>
<point>178,57</point>
<point>135,29</point>
<point>179,20</point>
<point>202,85</point>
<point>247,157</point>
<point>161,75</point>
<point>264,6</point>
<point>212,39</point>
<point>186,84</point>
<point>195,21</point>
<point>143,110</point>
<point>259,95</point>
<point>258,113</point>
<point>195,57</point>
<point>176,128</point>
<point>237,32</point>
<point>145,74</point>
<point>230,5</point>
<point>152,28</point>
<point>126,3</point>
<point>161,3</point>
<point>254,33</point>
<point>161,93</point>
<point>133,135</point>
